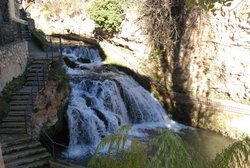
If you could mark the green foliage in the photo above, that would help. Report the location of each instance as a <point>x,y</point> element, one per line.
<point>12,86</point>
<point>107,14</point>
<point>236,155</point>
<point>5,96</point>
<point>4,108</point>
<point>166,150</point>
<point>171,152</point>
<point>136,157</point>
<point>206,4</point>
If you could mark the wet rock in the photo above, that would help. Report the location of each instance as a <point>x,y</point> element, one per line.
<point>69,62</point>
<point>84,60</point>
<point>101,116</point>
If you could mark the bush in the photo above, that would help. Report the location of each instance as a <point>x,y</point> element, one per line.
<point>4,108</point>
<point>107,14</point>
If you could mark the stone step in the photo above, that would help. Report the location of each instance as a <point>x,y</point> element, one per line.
<point>41,70</point>
<point>35,78</point>
<point>21,102</point>
<point>13,119</point>
<point>28,160</point>
<point>16,142</point>
<point>13,131</point>
<point>56,163</point>
<point>38,164</point>
<point>27,90</point>
<point>18,113</point>
<point>21,107</point>
<point>38,66</point>
<point>23,153</point>
<point>35,84</point>
<point>21,146</point>
<point>12,125</point>
<point>20,97</point>
<point>39,61</point>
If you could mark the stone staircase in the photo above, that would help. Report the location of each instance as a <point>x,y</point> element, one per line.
<point>57,163</point>
<point>25,153</point>
<point>21,105</point>
<point>26,34</point>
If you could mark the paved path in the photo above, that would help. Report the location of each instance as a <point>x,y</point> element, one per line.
<point>37,53</point>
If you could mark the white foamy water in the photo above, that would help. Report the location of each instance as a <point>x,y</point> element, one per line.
<point>104,101</point>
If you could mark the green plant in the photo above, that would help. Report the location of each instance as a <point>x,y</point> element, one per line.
<point>136,157</point>
<point>236,155</point>
<point>107,14</point>
<point>166,150</point>
<point>4,108</point>
<point>12,86</point>
<point>206,4</point>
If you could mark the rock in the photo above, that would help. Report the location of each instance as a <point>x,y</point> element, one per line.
<point>69,62</point>
<point>84,60</point>
<point>65,22</point>
<point>218,47</point>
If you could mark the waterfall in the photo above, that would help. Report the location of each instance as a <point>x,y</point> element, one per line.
<point>103,100</point>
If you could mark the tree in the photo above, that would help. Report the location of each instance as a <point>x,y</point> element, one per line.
<point>107,14</point>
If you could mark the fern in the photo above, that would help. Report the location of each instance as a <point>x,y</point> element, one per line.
<point>165,151</point>
<point>236,155</point>
<point>136,157</point>
<point>172,152</point>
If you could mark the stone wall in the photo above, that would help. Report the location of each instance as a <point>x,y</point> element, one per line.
<point>216,46</point>
<point>215,64</point>
<point>4,11</point>
<point>13,60</point>
<point>10,32</point>
<point>1,158</point>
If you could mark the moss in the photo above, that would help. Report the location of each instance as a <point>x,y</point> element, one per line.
<point>12,86</point>
<point>38,39</point>
<point>4,108</point>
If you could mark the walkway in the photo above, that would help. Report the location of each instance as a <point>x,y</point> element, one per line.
<point>18,149</point>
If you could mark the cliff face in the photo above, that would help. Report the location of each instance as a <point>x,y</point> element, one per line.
<point>51,101</point>
<point>213,59</point>
<point>217,46</point>
<point>57,17</point>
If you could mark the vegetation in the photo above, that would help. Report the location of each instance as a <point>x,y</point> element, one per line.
<point>107,14</point>
<point>55,8</point>
<point>237,155</point>
<point>5,96</point>
<point>166,150</point>
<point>12,86</point>
<point>4,108</point>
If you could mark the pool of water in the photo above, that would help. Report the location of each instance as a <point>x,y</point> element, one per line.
<point>206,143</point>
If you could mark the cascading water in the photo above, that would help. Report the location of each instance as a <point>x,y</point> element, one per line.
<point>103,99</point>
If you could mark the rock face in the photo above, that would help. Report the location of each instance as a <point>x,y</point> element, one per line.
<point>217,45</point>
<point>51,101</point>
<point>13,60</point>
<point>131,35</point>
<point>64,23</point>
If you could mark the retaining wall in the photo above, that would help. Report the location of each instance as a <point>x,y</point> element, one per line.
<point>13,60</point>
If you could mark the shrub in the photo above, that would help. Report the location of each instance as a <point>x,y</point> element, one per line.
<point>4,108</point>
<point>107,14</point>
